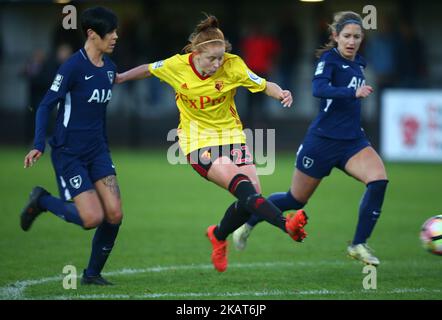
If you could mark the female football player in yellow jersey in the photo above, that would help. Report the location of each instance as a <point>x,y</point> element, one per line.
<point>210,132</point>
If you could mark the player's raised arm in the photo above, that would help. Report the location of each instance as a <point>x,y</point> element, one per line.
<point>275,91</point>
<point>137,73</point>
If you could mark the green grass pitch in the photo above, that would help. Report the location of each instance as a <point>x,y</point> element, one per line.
<point>162,253</point>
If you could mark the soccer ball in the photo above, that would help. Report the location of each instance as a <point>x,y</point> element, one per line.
<point>431,234</point>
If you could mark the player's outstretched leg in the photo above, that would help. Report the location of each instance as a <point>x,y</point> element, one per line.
<point>295,222</point>
<point>32,209</point>
<point>282,200</point>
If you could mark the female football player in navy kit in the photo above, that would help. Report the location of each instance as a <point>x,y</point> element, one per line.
<point>80,155</point>
<point>335,138</point>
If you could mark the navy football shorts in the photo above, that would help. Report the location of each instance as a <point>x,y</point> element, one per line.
<point>77,173</point>
<point>317,156</point>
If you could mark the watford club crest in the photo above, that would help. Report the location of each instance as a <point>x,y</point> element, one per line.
<point>219,85</point>
<point>206,155</point>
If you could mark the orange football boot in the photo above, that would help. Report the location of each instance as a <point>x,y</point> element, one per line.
<point>295,222</point>
<point>219,251</point>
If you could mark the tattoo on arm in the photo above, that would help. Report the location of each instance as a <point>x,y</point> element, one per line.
<point>111,183</point>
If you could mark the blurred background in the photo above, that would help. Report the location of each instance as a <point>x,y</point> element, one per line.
<point>277,39</point>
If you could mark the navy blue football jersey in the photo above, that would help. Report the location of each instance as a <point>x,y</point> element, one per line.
<point>335,82</point>
<point>82,91</point>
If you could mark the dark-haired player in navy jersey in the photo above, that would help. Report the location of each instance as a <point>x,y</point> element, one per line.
<point>80,155</point>
<point>335,138</point>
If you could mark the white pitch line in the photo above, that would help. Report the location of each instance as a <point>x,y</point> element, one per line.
<point>192,295</point>
<point>271,293</point>
<point>16,290</point>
